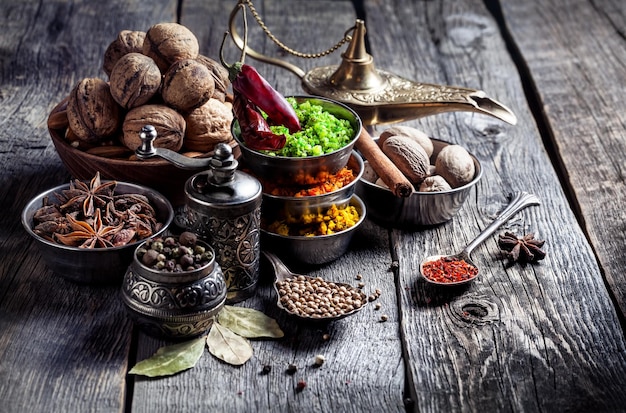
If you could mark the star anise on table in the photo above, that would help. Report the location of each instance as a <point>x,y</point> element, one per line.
<point>86,235</point>
<point>91,197</point>
<point>525,249</point>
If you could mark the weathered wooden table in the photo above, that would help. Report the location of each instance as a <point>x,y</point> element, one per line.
<point>546,337</point>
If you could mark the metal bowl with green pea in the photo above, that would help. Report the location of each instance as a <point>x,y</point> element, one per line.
<point>298,163</point>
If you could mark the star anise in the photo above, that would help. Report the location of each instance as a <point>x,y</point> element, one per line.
<point>524,249</point>
<point>91,197</point>
<point>85,235</point>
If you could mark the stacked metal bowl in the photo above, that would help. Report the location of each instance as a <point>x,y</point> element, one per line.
<point>282,170</point>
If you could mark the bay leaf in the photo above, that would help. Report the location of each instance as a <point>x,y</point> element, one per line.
<point>248,322</point>
<point>171,359</point>
<point>228,346</point>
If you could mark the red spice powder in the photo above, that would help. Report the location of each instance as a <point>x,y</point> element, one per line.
<point>446,270</point>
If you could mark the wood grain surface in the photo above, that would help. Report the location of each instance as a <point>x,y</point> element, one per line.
<point>544,337</point>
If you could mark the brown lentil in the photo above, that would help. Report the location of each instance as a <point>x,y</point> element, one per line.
<point>318,298</point>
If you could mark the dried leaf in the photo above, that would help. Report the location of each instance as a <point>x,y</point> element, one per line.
<point>248,322</point>
<point>171,359</point>
<point>228,346</point>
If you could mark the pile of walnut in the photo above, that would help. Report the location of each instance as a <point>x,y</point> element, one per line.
<point>156,78</point>
<point>411,150</point>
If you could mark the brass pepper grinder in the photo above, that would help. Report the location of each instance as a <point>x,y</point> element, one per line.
<point>222,206</point>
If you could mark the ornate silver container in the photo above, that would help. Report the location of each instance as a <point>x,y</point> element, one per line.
<point>174,305</point>
<point>223,206</point>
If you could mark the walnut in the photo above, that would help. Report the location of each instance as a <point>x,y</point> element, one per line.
<point>135,80</point>
<point>167,43</point>
<point>220,76</point>
<point>92,113</point>
<point>208,125</point>
<point>127,42</point>
<point>408,156</point>
<point>187,85</point>
<point>456,165</point>
<point>412,133</point>
<point>169,125</point>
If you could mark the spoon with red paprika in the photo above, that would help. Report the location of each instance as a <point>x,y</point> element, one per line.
<point>458,269</point>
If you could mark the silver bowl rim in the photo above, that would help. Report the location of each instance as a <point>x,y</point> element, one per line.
<point>357,118</point>
<point>27,221</point>
<point>474,181</point>
<point>354,198</point>
<point>313,198</point>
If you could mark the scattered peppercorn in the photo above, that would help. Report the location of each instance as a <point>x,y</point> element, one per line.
<point>384,318</point>
<point>266,369</point>
<point>377,306</point>
<point>358,276</point>
<point>301,385</point>
<point>326,337</point>
<point>319,360</point>
<point>292,368</point>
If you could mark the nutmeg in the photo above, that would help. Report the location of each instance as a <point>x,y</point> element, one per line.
<point>167,43</point>
<point>220,76</point>
<point>135,79</point>
<point>92,113</point>
<point>187,85</point>
<point>127,41</point>
<point>207,126</point>
<point>455,165</point>
<point>434,183</point>
<point>410,158</point>
<point>169,125</point>
<point>412,133</point>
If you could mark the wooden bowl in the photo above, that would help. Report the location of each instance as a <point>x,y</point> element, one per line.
<point>156,173</point>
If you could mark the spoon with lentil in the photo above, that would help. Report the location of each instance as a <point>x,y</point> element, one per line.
<point>313,298</point>
<point>458,269</point>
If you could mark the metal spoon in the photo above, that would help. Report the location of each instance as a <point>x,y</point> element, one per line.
<point>283,273</point>
<point>519,201</point>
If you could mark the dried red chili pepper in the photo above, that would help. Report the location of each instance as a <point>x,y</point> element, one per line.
<point>446,270</point>
<point>255,131</point>
<point>248,82</point>
<point>251,89</point>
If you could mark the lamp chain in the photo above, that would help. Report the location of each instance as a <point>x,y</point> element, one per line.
<point>346,38</point>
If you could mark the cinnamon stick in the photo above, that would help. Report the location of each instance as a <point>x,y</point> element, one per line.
<point>386,170</point>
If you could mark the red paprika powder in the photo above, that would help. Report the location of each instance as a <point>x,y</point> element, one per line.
<point>448,270</point>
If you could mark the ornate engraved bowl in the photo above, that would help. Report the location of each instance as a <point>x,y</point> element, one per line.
<point>420,209</point>
<point>174,305</point>
<point>92,265</point>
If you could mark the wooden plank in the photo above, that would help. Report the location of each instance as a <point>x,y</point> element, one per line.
<point>576,57</point>
<point>363,369</point>
<point>63,347</point>
<point>542,337</point>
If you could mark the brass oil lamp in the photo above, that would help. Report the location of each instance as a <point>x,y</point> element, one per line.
<point>379,97</point>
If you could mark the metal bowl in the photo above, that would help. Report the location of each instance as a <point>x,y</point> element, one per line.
<point>174,305</point>
<point>290,169</point>
<point>98,265</point>
<point>420,208</point>
<point>315,250</point>
<point>296,206</point>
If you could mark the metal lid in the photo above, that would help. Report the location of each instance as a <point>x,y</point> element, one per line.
<point>223,186</point>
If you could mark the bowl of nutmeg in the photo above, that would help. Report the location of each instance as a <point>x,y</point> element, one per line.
<point>440,174</point>
<point>155,78</point>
